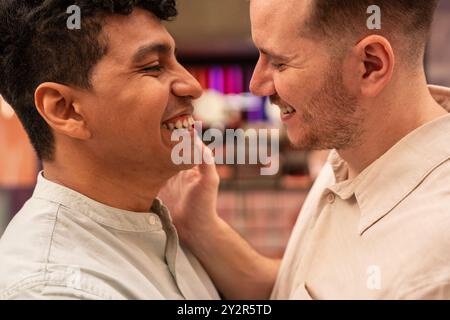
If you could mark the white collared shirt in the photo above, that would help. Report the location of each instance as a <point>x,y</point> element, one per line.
<point>63,245</point>
<point>384,234</point>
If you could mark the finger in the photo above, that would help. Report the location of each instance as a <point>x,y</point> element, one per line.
<point>208,165</point>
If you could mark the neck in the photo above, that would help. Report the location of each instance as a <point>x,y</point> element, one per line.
<point>111,186</point>
<point>391,120</point>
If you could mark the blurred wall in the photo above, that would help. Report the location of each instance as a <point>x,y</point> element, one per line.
<point>206,27</point>
<point>439,48</point>
<point>18,163</point>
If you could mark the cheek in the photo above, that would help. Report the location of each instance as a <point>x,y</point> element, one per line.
<point>133,117</point>
<point>144,123</point>
<point>292,95</point>
<point>144,102</point>
<point>126,118</point>
<point>294,86</point>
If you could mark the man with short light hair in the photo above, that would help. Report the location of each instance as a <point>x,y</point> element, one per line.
<point>376,222</point>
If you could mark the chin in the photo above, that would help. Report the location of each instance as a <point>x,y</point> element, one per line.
<point>295,137</point>
<point>300,141</point>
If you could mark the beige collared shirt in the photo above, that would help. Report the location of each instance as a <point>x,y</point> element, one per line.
<point>383,235</point>
<point>63,245</point>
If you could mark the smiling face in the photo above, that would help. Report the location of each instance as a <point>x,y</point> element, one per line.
<point>140,92</point>
<point>303,78</point>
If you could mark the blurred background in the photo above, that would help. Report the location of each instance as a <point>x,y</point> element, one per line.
<point>214,43</point>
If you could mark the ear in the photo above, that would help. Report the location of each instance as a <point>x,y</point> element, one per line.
<point>375,61</point>
<point>57,105</point>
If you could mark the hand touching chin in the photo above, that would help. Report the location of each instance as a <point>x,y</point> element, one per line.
<point>191,196</point>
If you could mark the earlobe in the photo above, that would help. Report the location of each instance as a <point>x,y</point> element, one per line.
<point>55,103</point>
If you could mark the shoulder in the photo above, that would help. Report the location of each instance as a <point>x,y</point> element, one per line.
<point>427,209</point>
<point>31,249</point>
<point>422,226</point>
<point>26,241</point>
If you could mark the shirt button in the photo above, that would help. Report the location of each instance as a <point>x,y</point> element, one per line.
<point>331,198</point>
<point>152,220</point>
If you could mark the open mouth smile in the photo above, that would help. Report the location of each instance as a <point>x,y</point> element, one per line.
<point>185,121</point>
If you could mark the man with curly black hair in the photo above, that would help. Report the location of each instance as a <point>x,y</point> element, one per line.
<point>99,103</point>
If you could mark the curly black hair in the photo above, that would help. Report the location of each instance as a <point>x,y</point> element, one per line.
<point>36,46</point>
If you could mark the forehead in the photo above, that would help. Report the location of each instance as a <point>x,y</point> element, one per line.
<point>278,22</point>
<point>126,34</point>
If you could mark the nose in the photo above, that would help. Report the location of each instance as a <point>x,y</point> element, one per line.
<point>186,85</point>
<point>262,80</point>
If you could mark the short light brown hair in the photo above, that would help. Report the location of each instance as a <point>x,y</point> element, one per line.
<point>407,21</point>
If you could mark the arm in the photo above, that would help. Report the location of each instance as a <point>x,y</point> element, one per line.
<point>237,270</point>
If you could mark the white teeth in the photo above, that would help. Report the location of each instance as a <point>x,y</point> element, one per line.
<point>287,110</point>
<point>186,123</point>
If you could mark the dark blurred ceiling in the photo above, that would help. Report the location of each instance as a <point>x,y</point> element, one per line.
<point>209,28</point>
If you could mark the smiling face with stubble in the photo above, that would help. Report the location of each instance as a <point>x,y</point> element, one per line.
<point>302,78</point>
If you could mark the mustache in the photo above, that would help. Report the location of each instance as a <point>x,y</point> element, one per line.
<point>184,103</point>
<point>276,100</point>
<point>180,105</point>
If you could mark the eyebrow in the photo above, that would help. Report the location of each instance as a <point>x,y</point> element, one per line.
<point>273,55</point>
<point>149,49</point>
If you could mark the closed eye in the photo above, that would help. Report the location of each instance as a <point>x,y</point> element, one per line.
<point>152,69</point>
<point>278,66</point>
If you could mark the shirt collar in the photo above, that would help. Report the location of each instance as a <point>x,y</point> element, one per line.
<point>108,216</point>
<point>391,178</point>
